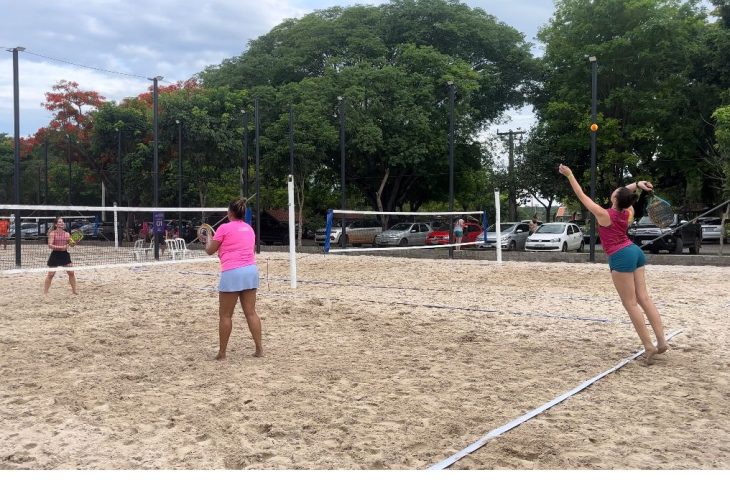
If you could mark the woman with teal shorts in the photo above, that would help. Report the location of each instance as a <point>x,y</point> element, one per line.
<point>625,259</point>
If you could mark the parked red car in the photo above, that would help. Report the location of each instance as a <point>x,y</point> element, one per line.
<point>440,235</point>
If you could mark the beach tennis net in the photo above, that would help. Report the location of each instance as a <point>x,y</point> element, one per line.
<point>105,236</point>
<point>357,231</point>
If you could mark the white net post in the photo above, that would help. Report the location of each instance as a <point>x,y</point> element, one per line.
<point>497,220</point>
<point>292,236</point>
<point>116,226</point>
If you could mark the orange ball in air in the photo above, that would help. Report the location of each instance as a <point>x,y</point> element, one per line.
<point>594,127</point>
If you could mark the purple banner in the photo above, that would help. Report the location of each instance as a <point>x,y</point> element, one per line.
<point>158,220</point>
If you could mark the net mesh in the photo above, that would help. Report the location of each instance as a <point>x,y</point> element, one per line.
<point>660,211</point>
<point>369,230</point>
<point>106,236</point>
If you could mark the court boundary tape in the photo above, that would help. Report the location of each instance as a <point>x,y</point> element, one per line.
<point>611,300</point>
<point>533,413</point>
<point>450,307</point>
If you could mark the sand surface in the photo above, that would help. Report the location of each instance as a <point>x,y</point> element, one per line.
<point>371,363</point>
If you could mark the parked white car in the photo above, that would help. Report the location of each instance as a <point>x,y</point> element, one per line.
<point>556,237</point>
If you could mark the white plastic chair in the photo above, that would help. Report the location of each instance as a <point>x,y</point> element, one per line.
<point>139,249</point>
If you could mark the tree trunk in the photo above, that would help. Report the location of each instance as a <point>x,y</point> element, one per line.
<point>379,200</point>
<point>299,195</point>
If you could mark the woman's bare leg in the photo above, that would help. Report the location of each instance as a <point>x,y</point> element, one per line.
<point>642,296</point>
<point>248,303</point>
<point>72,281</point>
<point>47,283</point>
<point>624,283</point>
<point>226,306</point>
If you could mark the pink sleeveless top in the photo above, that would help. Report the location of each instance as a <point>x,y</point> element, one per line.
<point>614,237</point>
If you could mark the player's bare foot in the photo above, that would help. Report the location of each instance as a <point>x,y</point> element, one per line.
<point>649,355</point>
<point>662,347</point>
<point>258,353</point>
<point>220,356</point>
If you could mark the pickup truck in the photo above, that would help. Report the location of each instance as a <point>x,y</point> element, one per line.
<point>644,233</point>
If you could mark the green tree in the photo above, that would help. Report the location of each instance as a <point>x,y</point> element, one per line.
<point>653,109</point>
<point>6,168</point>
<point>721,161</point>
<point>391,63</point>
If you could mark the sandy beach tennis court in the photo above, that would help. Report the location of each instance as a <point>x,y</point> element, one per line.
<point>371,363</point>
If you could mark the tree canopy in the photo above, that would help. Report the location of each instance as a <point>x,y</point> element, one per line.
<point>391,64</point>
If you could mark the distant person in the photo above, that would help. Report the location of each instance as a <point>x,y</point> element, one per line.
<point>58,241</point>
<point>144,231</point>
<point>235,243</point>
<point>625,259</point>
<point>458,232</point>
<point>533,224</point>
<point>4,228</point>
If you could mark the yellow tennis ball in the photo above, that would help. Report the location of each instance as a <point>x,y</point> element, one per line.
<point>594,127</point>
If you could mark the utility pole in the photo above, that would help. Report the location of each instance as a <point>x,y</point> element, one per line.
<point>512,201</point>
<point>594,128</point>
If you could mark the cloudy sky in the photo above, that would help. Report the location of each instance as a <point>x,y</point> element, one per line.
<point>174,39</point>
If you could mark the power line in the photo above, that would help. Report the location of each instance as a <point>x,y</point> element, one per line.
<point>98,69</point>
<point>60,60</point>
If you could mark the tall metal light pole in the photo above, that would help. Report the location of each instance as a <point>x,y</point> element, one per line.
<point>291,141</point>
<point>343,186</point>
<point>258,175</point>
<point>119,166</point>
<point>45,168</point>
<point>594,99</point>
<point>179,178</point>
<point>16,147</point>
<point>156,160</point>
<point>244,167</point>
<point>68,137</point>
<point>119,178</point>
<point>452,95</point>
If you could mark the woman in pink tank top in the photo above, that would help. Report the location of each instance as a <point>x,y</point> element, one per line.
<point>625,259</point>
<point>235,244</point>
<point>58,241</point>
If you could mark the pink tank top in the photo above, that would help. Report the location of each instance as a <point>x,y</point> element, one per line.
<point>59,239</point>
<point>238,245</point>
<point>614,237</point>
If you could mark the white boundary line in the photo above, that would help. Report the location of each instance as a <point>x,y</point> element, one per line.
<point>533,413</point>
<point>444,307</point>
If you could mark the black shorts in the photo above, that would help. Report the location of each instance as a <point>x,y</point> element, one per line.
<point>59,259</point>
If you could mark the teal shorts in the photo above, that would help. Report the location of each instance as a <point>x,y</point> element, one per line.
<point>627,260</point>
<point>458,233</point>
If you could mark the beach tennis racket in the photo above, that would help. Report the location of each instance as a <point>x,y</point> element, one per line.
<point>76,237</point>
<point>660,211</point>
<point>205,233</point>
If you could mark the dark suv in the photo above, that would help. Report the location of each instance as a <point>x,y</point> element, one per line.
<point>272,230</point>
<point>644,232</point>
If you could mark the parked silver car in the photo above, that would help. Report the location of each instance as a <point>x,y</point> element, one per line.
<point>711,228</point>
<point>359,232</point>
<point>404,234</point>
<point>27,230</point>
<point>513,236</point>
